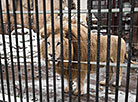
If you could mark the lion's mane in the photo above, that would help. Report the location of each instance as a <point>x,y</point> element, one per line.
<point>74,44</point>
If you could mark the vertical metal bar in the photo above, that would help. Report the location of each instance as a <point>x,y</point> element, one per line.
<point>137,88</point>
<point>130,49</point>
<point>69,37</point>
<point>38,49</point>
<point>89,38</point>
<point>79,66</point>
<point>46,58</point>
<point>118,50</point>
<point>11,56</point>
<point>5,56</point>
<point>62,57</point>
<point>108,48</point>
<point>18,59</point>
<point>53,50</point>
<point>98,50</point>
<point>24,52</point>
<point>115,20</point>
<point>31,48</point>
<point>1,76</point>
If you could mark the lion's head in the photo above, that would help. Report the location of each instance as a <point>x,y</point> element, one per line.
<point>57,43</point>
<point>57,50</point>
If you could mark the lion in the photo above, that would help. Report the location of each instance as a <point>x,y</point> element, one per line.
<point>65,54</point>
<point>83,52</point>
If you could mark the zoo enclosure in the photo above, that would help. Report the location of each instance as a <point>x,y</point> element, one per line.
<point>29,12</point>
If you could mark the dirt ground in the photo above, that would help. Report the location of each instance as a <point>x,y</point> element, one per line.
<point>121,93</point>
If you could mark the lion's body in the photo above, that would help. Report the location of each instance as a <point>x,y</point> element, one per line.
<point>103,48</point>
<point>83,51</point>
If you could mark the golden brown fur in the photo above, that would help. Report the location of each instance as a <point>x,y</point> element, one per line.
<point>66,54</point>
<point>83,51</point>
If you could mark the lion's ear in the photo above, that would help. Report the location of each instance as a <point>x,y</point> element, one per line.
<point>66,31</point>
<point>48,31</point>
<point>65,34</point>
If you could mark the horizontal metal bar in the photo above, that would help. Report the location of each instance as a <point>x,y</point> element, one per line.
<point>75,11</point>
<point>134,66</point>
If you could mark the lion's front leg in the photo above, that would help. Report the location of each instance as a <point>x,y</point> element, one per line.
<point>66,89</point>
<point>120,78</point>
<point>110,76</point>
<point>82,80</point>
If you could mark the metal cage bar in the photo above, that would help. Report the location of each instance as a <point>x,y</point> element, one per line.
<point>62,57</point>
<point>12,65</point>
<point>17,48</point>
<point>98,50</point>
<point>70,50</point>
<point>81,11</point>
<point>5,55</point>
<point>118,50</point>
<point>108,48</point>
<point>137,88</point>
<point>88,55</point>
<point>31,48</point>
<point>53,48</point>
<point>46,49</point>
<point>24,52</point>
<point>133,66</point>
<point>79,55</point>
<point>38,49</point>
<point>1,76</point>
<point>130,49</point>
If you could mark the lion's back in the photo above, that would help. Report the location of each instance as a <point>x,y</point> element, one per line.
<point>103,48</point>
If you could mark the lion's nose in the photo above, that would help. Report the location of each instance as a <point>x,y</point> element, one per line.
<point>50,55</point>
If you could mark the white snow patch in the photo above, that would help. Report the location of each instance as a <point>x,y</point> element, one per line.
<point>20,47</point>
<point>12,98</point>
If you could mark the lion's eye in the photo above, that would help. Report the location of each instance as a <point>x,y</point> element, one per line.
<point>58,43</point>
<point>48,43</point>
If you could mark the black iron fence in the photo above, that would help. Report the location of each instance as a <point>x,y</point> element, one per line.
<point>25,27</point>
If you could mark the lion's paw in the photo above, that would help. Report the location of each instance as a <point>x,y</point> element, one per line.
<point>114,83</point>
<point>66,89</point>
<point>76,92</point>
<point>102,83</point>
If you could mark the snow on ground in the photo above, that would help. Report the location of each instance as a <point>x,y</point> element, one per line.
<point>20,46</point>
<point>12,98</point>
